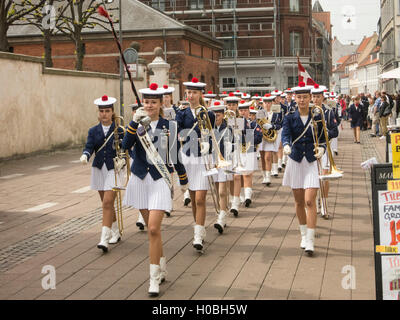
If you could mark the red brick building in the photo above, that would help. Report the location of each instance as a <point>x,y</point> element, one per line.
<point>188,51</point>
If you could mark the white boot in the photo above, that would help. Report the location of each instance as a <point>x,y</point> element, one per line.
<point>221,222</point>
<point>268,178</point>
<point>242,197</point>
<point>115,235</point>
<point>280,165</point>
<point>310,241</point>
<point>140,222</point>
<point>186,198</point>
<point>105,237</point>
<point>303,232</point>
<point>235,206</point>
<point>163,269</point>
<point>248,192</point>
<point>154,288</point>
<point>199,235</point>
<point>274,170</point>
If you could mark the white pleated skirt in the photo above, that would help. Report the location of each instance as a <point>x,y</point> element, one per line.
<point>148,194</point>
<point>102,179</point>
<point>249,162</point>
<point>303,175</point>
<point>222,176</point>
<point>195,170</point>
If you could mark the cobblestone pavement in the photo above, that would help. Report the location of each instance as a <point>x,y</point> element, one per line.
<point>48,216</point>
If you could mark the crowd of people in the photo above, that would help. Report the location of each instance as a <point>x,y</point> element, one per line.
<point>370,112</point>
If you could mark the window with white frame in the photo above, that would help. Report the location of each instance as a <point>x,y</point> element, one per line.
<point>295,5</point>
<point>295,42</point>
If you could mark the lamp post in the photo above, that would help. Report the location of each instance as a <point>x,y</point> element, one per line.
<point>121,67</point>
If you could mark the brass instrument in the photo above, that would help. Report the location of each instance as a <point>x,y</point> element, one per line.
<point>333,173</point>
<point>120,157</point>
<point>206,130</point>
<point>232,115</point>
<point>269,135</point>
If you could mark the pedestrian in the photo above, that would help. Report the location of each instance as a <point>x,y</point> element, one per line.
<point>385,110</point>
<point>355,117</point>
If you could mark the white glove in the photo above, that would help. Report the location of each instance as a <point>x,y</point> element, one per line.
<point>287,150</point>
<point>83,159</point>
<point>319,152</point>
<point>139,115</point>
<point>183,107</point>
<point>119,164</point>
<point>267,126</point>
<point>204,147</point>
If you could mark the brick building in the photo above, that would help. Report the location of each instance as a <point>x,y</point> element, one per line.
<point>261,39</point>
<point>188,51</point>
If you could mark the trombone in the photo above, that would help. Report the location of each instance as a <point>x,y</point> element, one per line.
<point>120,157</point>
<point>334,173</point>
<point>206,130</point>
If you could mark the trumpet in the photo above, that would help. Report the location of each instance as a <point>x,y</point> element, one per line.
<point>206,130</point>
<point>121,157</point>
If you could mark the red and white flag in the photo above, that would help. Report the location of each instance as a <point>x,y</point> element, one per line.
<point>304,76</point>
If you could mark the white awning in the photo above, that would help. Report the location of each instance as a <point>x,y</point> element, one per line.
<point>392,74</point>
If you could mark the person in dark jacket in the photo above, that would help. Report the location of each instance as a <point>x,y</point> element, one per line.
<point>365,106</point>
<point>356,117</point>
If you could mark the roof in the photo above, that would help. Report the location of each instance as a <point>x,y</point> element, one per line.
<point>317,7</point>
<point>343,59</point>
<point>363,44</point>
<point>136,16</point>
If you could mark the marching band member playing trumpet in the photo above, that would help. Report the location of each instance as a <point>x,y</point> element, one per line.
<point>100,141</point>
<point>269,149</point>
<point>331,125</point>
<point>150,187</point>
<point>193,156</point>
<point>301,174</point>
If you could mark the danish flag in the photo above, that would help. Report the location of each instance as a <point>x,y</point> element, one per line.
<point>304,76</point>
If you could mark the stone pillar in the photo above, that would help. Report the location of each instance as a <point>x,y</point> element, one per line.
<point>159,69</point>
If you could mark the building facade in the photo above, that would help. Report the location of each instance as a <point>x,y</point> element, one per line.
<point>261,39</point>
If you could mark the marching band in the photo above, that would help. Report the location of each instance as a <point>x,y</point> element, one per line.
<point>212,147</point>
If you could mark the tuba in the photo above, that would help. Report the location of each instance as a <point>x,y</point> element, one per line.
<point>269,135</point>
<point>121,170</point>
<point>206,130</point>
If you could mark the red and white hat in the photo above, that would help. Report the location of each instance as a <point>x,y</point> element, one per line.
<point>289,90</point>
<point>256,97</point>
<point>253,110</point>
<point>276,93</point>
<point>244,104</point>
<point>268,97</point>
<point>210,94</point>
<point>246,96</point>
<point>223,94</point>
<point>238,93</point>
<point>317,89</point>
<point>105,101</point>
<point>152,92</point>
<point>168,90</point>
<point>194,84</point>
<point>231,98</point>
<point>217,106</point>
<point>332,95</point>
<point>302,88</point>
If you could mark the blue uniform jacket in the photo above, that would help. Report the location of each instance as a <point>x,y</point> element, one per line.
<point>185,120</point>
<point>95,140</point>
<point>293,127</point>
<point>277,120</point>
<point>292,106</point>
<point>331,123</point>
<point>141,167</point>
<point>355,113</point>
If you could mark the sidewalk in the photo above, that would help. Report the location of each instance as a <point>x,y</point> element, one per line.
<point>49,217</point>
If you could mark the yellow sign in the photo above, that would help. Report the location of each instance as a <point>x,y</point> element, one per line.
<point>395,141</point>
<point>393,185</point>
<point>387,249</point>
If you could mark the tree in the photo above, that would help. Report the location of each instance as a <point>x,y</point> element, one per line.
<point>12,11</point>
<point>80,15</point>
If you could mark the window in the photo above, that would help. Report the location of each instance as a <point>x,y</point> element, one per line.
<point>292,82</point>
<point>158,4</point>
<point>228,50</point>
<point>295,42</point>
<point>228,82</point>
<point>196,4</point>
<point>294,6</point>
<point>228,4</point>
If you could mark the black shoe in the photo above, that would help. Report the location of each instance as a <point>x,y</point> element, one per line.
<point>247,203</point>
<point>283,165</point>
<point>140,225</point>
<point>104,248</point>
<point>186,202</point>
<point>219,228</point>
<point>336,153</point>
<point>198,247</point>
<point>235,212</point>
<point>168,214</point>
<point>279,169</point>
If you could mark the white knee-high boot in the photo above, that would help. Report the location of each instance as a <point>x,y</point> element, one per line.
<point>310,241</point>
<point>154,288</point>
<point>115,235</point>
<point>105,237</point>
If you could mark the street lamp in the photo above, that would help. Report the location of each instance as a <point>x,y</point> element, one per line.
<point>121,67</point>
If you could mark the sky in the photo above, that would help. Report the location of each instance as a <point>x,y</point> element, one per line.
<point>363,13</point>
